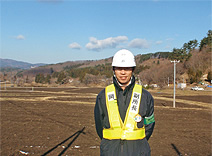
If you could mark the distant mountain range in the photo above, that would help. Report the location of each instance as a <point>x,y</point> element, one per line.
<point>9,63</point>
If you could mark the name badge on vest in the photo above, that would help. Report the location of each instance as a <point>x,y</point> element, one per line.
<point>111,96</point>
<point>136,97</point>
<point>138,118</point>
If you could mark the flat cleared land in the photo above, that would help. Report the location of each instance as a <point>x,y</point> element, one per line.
<point>60,121</point>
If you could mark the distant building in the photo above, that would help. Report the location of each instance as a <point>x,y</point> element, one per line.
<point>181,85</point>
<point>154,85</point>
<point>33,67</point>
<point>145,85</point>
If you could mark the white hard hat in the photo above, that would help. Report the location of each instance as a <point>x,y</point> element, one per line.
<point>123,58</point>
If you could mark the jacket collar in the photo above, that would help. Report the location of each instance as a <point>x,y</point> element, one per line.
<point>131,85</point>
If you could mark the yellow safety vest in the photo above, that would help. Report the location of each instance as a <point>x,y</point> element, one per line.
<point>119,130</point>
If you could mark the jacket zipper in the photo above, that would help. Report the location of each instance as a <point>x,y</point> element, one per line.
<point>122,147</point>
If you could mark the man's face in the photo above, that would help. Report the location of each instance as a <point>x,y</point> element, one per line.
<point>123,74</point>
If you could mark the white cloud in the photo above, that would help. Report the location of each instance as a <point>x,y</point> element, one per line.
<point>167,47</point>
<point>20,37</point>
<point>139,43</point>
<point>110,42</point>
<point>169,39</point>
<point>74,46</point>
<point>159,42</point>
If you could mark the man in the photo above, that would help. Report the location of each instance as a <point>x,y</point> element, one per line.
<point>124,112</point>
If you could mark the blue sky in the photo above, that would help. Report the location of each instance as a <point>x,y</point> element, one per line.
<point>54,31</point>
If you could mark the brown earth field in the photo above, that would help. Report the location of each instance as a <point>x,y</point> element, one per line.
<point>60,121</point>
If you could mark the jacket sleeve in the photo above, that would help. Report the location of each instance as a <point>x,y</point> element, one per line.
<point>149,118</point>
<point>97,117</point>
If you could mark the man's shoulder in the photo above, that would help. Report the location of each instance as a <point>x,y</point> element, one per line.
<point>146,93</point>
<point>101,93</point>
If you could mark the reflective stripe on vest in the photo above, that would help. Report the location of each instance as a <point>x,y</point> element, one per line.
<point>119,130</point>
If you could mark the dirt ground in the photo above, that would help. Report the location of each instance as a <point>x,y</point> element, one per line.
<point>60,121</point>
